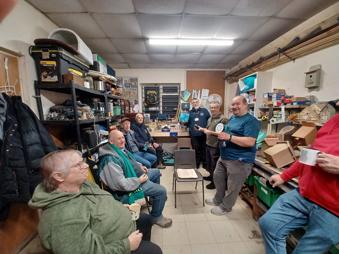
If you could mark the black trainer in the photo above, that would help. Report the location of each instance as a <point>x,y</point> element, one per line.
<point>210,186</point>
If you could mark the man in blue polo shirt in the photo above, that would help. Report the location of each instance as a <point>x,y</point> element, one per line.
<point>198,116</point>
<point>237,154</point>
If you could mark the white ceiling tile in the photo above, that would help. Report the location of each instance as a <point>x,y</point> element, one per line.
<point>101,45</point>
<point>159,25</point>
<point>172,65</point>
<point>210,59</point>
<point>113,58</point>
<point>119,65</point>
<point>239,27</point>
<point>141,65</point>
<point>129,45</point>
<point>220,49</point>
<point>186,58</point>
<point>265,8</point>
<point>159,6</point>
<point>137,58</point>
<point>119,26</point>
<point>189,49</point>
<point>200,26</point>
<point>304,9</point>
<point>273,28</point>
<point>58,6</point>
<point>230,65</point>
<point>209,7</point>
<point>82,23</point>
<point>119,29</point>
<point>232,58</point>
<point>209,66</point>
<point>162,58</point>
<point>109,6</point>
<point>160,49</point>
<point>248,47</point>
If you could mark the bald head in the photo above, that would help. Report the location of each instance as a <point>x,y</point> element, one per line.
<point>117,138</point>
<point>239,105</point>
<point>57,162</point>
<point>240,98</point>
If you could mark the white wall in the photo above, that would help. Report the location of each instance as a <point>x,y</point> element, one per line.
<point>17,33</point>
<point>291,76</point>
<point>155,76</point>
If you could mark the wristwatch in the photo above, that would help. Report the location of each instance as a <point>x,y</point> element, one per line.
<point>230,138</point>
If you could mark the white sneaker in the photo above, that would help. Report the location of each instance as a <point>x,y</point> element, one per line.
<point>218,211</point>
<point>210,201</point>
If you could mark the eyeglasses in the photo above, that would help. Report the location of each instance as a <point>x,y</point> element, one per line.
<point>81,164</point>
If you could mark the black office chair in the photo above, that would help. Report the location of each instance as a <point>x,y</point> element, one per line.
<point>185,159</point>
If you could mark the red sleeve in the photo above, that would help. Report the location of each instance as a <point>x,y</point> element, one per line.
<point>292,171</point>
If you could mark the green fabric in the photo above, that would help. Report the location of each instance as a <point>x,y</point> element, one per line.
<point>87,222</point>
<point>133,196</point>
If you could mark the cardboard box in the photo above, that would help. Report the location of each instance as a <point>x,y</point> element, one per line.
<point>280,155</point>
<point>269,142</point>
<point>305,134</point>
<point>69,77</point>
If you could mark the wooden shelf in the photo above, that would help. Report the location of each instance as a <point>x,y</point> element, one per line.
<point>286,107</point>
<point>67,88</point>
<point>71,122</point>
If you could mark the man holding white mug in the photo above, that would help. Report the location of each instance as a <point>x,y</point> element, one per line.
<point>314,204</point>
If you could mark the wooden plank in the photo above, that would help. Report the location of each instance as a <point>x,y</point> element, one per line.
<point>319,42</point>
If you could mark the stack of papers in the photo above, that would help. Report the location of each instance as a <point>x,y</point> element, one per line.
<point>186,173</point>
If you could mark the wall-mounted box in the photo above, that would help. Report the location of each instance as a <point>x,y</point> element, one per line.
<point>312,79</point>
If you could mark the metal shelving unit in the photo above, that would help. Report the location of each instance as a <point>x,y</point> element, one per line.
<point>75,91</point>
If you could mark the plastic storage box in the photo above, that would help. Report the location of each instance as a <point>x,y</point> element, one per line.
<point>250,180</point>
<point>52,62</point>
<point>266,194</point>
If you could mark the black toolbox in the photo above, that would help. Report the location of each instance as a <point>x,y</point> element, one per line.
<point>52,62</point>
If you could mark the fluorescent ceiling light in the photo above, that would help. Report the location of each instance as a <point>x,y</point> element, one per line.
<point>191,42</point>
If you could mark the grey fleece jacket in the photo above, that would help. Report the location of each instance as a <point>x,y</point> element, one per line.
<point>113,174</point>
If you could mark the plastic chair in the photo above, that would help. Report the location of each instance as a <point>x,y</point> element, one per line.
<point>184,143</point>
<point>185,159</point>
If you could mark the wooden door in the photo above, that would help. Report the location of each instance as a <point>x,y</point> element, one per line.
<point>212,80</point>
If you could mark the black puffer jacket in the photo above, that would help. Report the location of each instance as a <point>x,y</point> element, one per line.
<point>25,142</point>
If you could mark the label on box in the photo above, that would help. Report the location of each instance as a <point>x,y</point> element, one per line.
<point>48,71</point>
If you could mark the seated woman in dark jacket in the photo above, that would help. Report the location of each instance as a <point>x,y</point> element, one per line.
<point>142,135</point>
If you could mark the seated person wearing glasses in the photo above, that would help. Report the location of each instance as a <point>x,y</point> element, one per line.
<point>143,136</point>
<point>78,217</point>
<point>139,150</point>
<point>124,176</point>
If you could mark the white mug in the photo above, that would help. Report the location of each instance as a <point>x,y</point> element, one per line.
<point>309,156</point>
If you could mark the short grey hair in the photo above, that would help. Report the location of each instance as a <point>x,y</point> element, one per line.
<point>55,162</point>
<point>216,103</point>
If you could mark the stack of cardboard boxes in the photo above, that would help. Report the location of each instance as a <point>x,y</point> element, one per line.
<point>280,152</point>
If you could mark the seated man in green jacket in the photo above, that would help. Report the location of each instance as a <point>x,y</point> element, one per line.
<point>79,217</point>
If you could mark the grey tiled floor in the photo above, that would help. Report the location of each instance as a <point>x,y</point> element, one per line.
<point>196,231</point>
